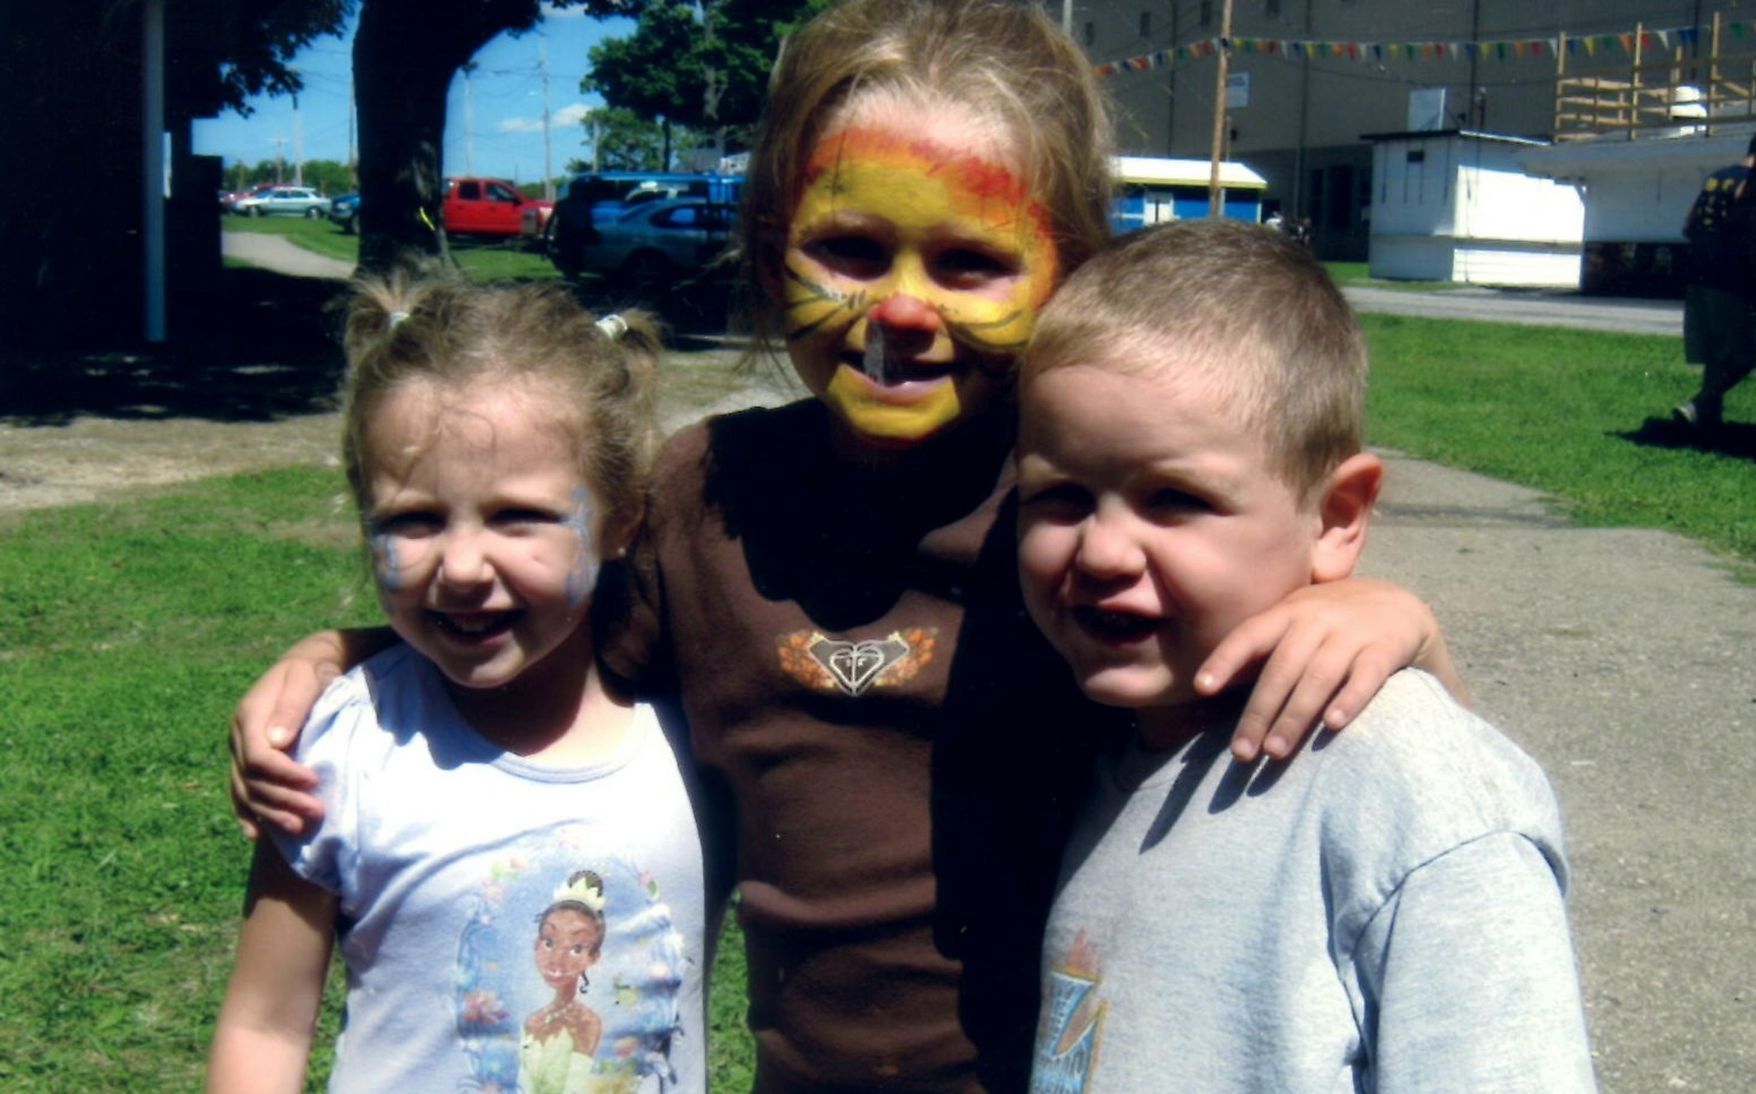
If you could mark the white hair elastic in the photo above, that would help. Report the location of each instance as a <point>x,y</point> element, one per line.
<point>396,317</point>
<point>613,326</point>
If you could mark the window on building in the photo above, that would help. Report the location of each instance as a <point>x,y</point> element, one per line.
<point>1271,8</point>
<point>1205,15</point>
<point>1090,33</point>
<point>1146,24</point>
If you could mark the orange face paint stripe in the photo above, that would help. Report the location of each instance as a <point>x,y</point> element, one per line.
<point>994,188</point>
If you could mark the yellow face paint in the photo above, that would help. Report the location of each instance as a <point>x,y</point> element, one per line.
<point>864,404</point>
<point>885,214</point>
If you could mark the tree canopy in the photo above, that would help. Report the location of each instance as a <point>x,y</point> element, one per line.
<point>625,141</point>
<point>699,63</point>
<point>702,64</point>
<point>261,37</point>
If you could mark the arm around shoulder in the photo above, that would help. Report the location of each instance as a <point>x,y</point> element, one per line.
<point>267,786</point>
<point>263,1038</point>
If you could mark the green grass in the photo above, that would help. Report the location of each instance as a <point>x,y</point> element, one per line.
<point>486,261</point>
<point>1566,412</point>
<point>125,632</point>
<point>1354,273</point>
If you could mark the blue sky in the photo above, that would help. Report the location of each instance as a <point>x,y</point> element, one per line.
<point>505,139</point>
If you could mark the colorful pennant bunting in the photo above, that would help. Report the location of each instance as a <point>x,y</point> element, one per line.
<point>1516,48</point>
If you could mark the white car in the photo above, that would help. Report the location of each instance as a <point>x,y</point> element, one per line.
<point>297,201</point>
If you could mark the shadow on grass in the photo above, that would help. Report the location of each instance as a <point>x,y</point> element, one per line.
<point>1734,439</point>
<point>269,350</point>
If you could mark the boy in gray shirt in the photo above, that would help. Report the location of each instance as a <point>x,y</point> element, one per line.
<point>1383,913</point>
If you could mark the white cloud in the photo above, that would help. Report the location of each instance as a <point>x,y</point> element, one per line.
<point>569,115</point>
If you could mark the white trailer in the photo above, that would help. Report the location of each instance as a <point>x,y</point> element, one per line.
<point>1455,205</point>
<point>1637,193</point>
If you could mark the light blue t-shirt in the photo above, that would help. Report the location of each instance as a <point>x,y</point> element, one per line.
<point>1384,913</point>
<point>447,854</point>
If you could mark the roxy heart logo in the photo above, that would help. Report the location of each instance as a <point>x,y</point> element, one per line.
<point>853,667</point>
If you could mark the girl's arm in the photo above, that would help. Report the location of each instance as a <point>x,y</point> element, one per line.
<point>1324,652</point>
<point>267,785</point>
<point>263,1038</point>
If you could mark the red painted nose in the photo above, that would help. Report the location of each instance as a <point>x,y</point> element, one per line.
<point>900,311</point>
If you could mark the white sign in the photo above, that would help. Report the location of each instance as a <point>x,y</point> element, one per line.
<point>1237,90</point>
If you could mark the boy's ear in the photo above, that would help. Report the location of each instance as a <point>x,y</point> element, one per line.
<point>1346,511</point>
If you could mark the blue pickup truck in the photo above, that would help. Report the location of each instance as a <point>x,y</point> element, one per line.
<point>610,220</point>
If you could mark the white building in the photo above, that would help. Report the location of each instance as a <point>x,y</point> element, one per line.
<point>1456,205</point>
<point>1309,78</point>
<point>1637,194</point>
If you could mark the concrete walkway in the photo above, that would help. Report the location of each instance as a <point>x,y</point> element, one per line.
<point>1541,308</point>
<point>277,253</point>
<point>1625,661</point>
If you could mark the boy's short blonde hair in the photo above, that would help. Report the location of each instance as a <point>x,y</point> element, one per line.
<point>1237,308</point>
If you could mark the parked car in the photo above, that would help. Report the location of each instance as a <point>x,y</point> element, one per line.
<point>229,202</point>
<point>485,207</point>
<point>657,244</point>
<point>345,211</point>
<point>593,200</point>
<point>299,201</point>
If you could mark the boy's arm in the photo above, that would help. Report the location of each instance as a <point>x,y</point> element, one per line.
<point>1471,968</point>
<point>263,1039</point>
<point>1324,652</point>
<point>267,785</point>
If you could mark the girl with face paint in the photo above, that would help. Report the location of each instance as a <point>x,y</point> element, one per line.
<point>495,443</point>
<point>829,589</point>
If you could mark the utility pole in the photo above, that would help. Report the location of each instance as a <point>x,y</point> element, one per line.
<point>1215,194</point>
<point>1067,17</point>
<point>548,169</point>
<point>298,146</point>
<point>280,159</point>
<point>353,160</point>
<point>469,121</point>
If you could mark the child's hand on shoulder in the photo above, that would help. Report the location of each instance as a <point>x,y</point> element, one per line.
<point>1323,653</point>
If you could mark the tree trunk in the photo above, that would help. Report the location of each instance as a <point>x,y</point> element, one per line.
<point>405,54</point>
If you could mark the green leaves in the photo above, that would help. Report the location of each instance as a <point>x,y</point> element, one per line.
<point>703,64</point>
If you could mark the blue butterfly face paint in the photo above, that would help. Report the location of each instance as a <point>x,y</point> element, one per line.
<point>481,527</point>
<point>384,564</point>
<point>584,577</point>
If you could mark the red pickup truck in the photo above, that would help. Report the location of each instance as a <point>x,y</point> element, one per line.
<point>487,207</point>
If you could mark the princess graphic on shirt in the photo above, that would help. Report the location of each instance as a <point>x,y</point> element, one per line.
<point>561,1037</point>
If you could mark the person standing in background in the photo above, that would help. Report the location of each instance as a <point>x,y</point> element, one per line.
<point>1719,330</point>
